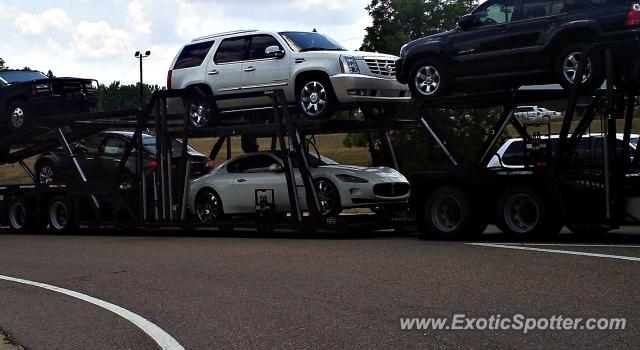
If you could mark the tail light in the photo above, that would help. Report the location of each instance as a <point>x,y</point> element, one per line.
<point>210,166</point>
<point>34,89</point>
<point>633,18</point>
<point>169,77</point>
<point>152,164</point>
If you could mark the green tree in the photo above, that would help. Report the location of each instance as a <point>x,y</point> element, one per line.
<point>2,66</point>
<point>394,23</point>
<point>118,96</point>
<point>50,74</point>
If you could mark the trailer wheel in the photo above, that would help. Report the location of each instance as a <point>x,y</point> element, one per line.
<point>60,214</point>
<point>18,215</point>
<point>448,213</point>
<point>208,207</point>
<point>523,211</point>
<point>201,112</point>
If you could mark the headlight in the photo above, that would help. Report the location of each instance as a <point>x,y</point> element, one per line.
<point>349,65</point>
<point>350,178</point>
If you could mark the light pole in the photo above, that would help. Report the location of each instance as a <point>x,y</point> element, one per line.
<point>140,56</point>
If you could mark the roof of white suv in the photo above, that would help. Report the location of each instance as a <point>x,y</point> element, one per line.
<point>217,35</point>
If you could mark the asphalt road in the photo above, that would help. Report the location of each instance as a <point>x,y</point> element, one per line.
<point>313,292</point>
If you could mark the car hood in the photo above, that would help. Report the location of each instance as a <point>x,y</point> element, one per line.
<point>431,38</point>
<point>364,172</point>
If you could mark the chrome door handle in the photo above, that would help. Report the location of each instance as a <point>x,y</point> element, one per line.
<point>250,69</point>
<point>214,72</point>
<point>241,180</point>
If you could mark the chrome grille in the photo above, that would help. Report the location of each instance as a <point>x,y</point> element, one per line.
<point>385,68</point>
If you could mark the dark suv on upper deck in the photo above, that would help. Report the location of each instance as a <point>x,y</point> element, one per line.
<point>508,43</point>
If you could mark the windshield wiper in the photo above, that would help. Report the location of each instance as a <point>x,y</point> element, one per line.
<point>321,49</point>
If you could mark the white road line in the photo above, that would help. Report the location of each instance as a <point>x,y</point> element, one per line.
<point>568,252</point>
<point>572,245</point>
<point>164,340</point>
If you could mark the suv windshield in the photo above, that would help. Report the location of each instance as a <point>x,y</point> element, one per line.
<point>21,76</point>
<point>305,41</point>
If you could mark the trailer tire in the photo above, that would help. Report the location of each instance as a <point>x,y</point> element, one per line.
<point>448,212</point>
<point>524,212</point>
<point>19,217</point>
<point>60,216</point>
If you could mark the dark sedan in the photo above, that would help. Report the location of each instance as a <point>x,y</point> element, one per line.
<point>25,95</point>
<point>99,157</point>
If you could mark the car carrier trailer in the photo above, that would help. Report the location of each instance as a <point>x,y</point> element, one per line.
<point>157,198</point>
<point>548,192</point>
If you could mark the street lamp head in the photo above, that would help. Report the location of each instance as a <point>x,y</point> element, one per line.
<point>148,53</point>
<point>137,54</point>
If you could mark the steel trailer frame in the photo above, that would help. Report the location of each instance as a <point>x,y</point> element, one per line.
<point>478,182</point>
<point>162,198</point>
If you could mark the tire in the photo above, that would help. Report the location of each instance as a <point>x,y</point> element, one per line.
<point>18,213</point>
<point>208,207</point>
<point>567,64</point>
<point>60,215</point>
<point>379,113</point>
<point>46,173</point>
<point>201,112</point>
<point>429,78</point>
<point>448,213</point>
<point>18,116</point>
<point>523,212</point>
<point>316,99</point>
<point>329,198</point>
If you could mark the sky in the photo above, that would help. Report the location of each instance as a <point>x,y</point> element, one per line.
<point>97,39</point>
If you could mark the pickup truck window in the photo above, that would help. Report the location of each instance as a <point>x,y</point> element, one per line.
<point>19,76</point>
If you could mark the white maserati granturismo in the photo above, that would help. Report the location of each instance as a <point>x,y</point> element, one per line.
<point>231,188</point>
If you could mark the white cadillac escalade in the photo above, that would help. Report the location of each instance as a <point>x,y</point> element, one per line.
<point>316,73</point>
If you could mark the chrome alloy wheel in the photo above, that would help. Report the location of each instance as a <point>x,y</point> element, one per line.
<point>521,213</point>
<point>199,114</point>
<point>428,80</point>
<point>570,67</point>
<point>446,213</point>
<point>313,99</point>
<point>45,175</point>
<point>327,196</point>
<point>17,117</point>
<point>208,208</point>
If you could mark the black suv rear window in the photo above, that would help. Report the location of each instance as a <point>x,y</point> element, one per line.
<point>193,55</point>
<point>231,50</point>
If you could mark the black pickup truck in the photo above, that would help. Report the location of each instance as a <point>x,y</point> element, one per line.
<point>25,95</point>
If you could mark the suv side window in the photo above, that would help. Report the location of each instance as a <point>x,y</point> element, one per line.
<point>91,144</point>
<point>514,154</point>
<point>193,55</point>
<point>259,44</point>
<point>231,50</point>
<point>114,146</point>
<point>496,12</point>
<point>540,8</point>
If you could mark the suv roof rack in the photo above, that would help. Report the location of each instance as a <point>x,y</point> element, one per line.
<point>224,33</point>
